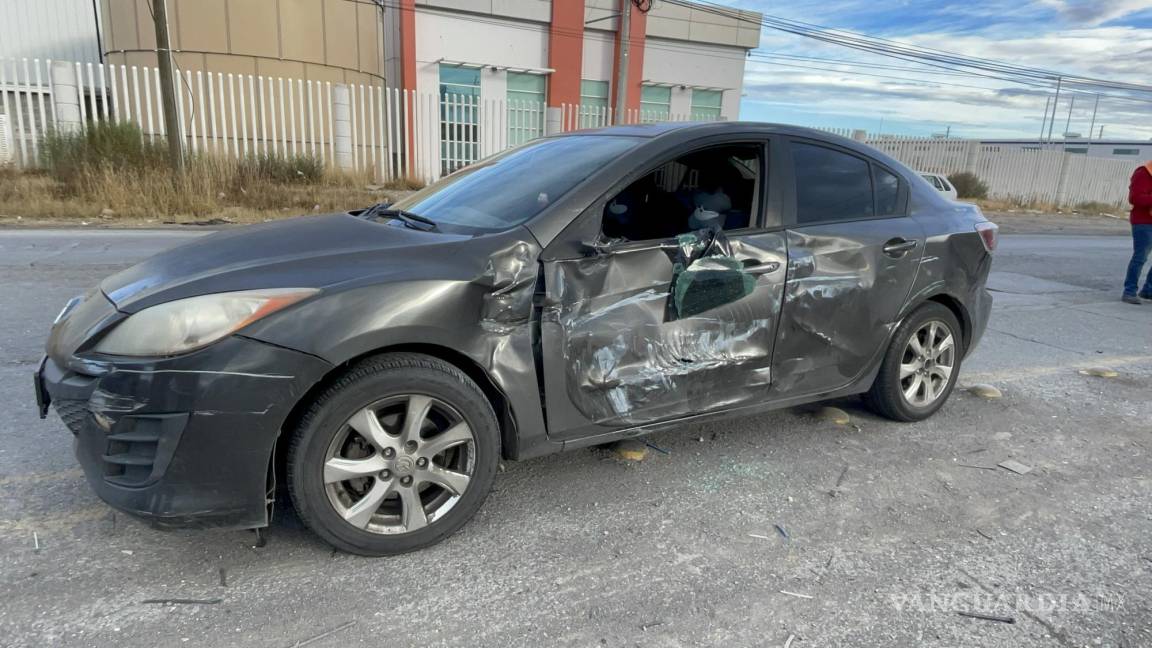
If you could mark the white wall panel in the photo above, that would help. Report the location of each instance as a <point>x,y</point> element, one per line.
<point>599,56</point>
<point>693,64</point>
<point>49,29</point>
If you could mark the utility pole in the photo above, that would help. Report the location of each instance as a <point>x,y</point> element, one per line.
<point>622,61</point>
<point>167,89</point>
<point>1044,122</point>
<point>1052,124</point>
<point>1068,124</point>
<point>1095,106</point>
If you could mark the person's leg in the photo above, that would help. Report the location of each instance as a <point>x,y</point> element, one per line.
<point>1141,242</point>
<point>1146,292</point>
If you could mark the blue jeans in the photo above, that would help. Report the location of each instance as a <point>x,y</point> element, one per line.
<point>1141,248</point>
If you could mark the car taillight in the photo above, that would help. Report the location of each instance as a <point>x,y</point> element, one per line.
<point>987,231</point>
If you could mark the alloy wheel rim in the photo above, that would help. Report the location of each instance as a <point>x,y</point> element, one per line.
<point>927,364</point>
<point>399,464</point>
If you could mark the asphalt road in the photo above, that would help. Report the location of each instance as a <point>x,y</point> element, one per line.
<point>743,533</point>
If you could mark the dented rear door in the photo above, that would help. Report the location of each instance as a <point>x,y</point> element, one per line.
<point>851,269</point>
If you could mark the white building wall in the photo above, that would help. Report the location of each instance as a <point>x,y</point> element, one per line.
<point>599,56</point>
<point>1096,149</point>
<point>694,64</point>
<point>494,42</point>
<point>49,29</point>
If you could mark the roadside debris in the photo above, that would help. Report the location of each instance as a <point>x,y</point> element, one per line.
<point>1015,466</point>
<point>987,617</point>
<point>788,643</point>
<point>657,448</point>
<point>758,536</point>
<point>835,492</point>
<point>833,415</point>
<point>327,633</point>
<point>182,601</point>
<point>975,466</point>
<point>782,531</point>
<point>35,542</point>
<point>630,450</point>
<point>985,535</point>
<point>985,391</point>
<point>223,577</point>
<point>1099,372</point>
<point>803,596</point>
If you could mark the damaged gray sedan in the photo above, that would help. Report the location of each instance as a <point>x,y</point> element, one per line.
<point>572,291</point>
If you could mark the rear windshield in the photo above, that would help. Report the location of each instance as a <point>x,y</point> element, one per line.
<point>507,190</point>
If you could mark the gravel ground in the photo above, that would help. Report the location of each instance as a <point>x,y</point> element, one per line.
<point>752,532</point>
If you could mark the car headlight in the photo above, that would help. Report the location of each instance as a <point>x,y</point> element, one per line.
<point>187,324</point>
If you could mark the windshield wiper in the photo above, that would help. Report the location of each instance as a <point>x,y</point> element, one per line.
<point>415,221</point>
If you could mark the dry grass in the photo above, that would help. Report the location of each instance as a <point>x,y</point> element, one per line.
<point>1087,209</point>
<point>110,176</point>
<point>209,191</point>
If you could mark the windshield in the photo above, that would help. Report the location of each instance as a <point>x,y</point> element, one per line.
<point>509,189</point>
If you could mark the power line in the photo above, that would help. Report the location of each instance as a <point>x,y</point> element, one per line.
<point>913,53</point>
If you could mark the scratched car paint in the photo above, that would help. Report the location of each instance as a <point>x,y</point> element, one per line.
<point>573,291</point>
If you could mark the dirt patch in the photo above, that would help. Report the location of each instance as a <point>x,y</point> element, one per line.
<point>1038,222</point>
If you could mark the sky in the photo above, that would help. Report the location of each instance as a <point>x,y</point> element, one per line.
<point>1109,39</point>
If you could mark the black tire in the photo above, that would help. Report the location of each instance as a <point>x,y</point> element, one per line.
<point>886,396</point>
<point>365,383</point>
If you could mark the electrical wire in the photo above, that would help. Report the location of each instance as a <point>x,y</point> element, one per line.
<point>913,53</point>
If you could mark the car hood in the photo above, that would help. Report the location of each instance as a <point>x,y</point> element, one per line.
<point>310,252</point>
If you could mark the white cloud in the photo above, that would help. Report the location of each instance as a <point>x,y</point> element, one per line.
<point>1096,12</point>
<point>925,101</point>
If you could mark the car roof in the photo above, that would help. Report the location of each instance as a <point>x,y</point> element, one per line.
<point>687,131</point>
<point>664,129</point>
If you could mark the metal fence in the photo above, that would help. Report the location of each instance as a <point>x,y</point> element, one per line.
<point>391,133</point>
<point>1044,175</point>
<point>388,133</point>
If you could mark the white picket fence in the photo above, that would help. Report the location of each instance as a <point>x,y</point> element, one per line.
<point>390,133</point>
<point>386,132</point>
<point>1045,175</point>
<point>576,117</point>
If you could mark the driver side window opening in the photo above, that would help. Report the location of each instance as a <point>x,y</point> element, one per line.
<point>715,188</point>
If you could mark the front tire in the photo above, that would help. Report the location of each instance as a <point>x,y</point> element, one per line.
<point>921,366</point>
<point>394,456</point>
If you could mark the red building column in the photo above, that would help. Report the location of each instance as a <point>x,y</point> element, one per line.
<point>406,13</point>
<point>566,52</point>
<point>406,10</point>
<point>637,33</point>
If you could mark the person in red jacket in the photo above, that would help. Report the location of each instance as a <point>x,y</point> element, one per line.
<point>1140,195</point>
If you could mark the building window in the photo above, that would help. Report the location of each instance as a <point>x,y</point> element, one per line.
<point>594,104</point>
<point>1124,151</point>
<point>459,117</point>
<point>1080,150</point>
<point>525,107</point>
<point>655,103</point>
<point>706,104</point>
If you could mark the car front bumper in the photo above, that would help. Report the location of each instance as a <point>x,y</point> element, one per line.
<point>183,441</point>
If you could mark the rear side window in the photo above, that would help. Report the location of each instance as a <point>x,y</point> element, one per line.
<point>887,192</point>
<point>830,185</point>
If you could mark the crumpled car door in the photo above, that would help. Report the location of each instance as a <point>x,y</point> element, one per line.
<point>646,332</point>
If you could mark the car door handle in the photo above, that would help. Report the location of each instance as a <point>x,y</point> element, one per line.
<point>755,266</point>
<point>898,247</point>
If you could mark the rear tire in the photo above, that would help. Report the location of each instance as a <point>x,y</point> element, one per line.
<point>921,366</point>
<point>396,455</point>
